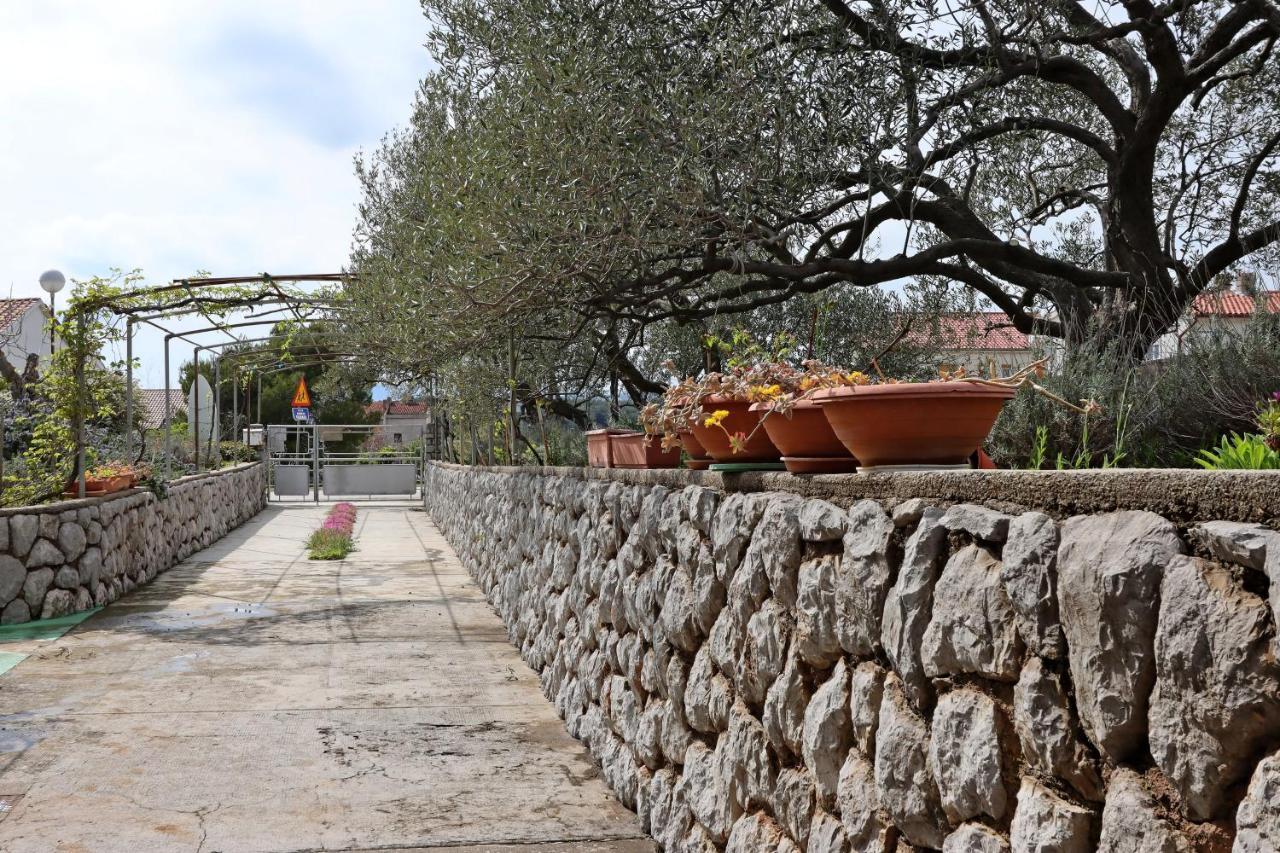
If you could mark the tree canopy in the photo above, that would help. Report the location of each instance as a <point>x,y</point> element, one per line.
<point>585,170</point>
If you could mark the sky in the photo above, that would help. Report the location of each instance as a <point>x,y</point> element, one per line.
<point>179,136</point>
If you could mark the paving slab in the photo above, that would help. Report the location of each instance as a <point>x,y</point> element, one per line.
<point>251,700</point>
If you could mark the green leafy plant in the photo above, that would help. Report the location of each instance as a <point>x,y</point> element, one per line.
<point>334,540</point>
<point>1040,449</point>
<point>1269,422</point>
<point>328,545</point>
<point>1240,452</point>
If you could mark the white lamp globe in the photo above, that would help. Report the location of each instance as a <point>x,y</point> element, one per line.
<point>52,281</point>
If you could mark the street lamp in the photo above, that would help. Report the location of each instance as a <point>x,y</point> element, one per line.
<point>52,281</point>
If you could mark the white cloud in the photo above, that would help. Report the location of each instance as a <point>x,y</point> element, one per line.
<point>177,136</point>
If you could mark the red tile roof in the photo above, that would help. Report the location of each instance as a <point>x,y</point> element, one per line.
<point>1231,304</point>
<point>392,407</point>
<point>12,309</point>
<point>152,402</point>
<point>981,330</point>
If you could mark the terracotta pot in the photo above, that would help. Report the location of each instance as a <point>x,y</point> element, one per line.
<point>806,439</point>
<point>913,423</point>
<point>104,486</point>
<point>696,456</point>
<point>637,450</point>
<point>599,454</point>
<point>740,420</point>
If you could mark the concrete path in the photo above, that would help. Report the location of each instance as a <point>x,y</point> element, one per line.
<point>251,700</point>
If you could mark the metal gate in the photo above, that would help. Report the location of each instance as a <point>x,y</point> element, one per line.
<point>350,462</point>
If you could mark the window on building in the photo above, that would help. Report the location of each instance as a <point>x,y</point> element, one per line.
<point>397,438</point>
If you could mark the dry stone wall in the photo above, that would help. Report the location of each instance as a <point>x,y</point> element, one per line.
<point>771,672</point>
<point>69,556</point>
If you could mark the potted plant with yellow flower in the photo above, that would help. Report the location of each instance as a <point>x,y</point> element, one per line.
<point>714,411</point>
<point>796,424</point>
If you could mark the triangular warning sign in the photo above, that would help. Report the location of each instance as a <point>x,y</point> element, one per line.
<point>301,396</point>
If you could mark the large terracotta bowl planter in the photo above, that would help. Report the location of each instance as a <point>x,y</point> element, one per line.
<point>807,442</point>
<point>740,419</point>
<point>696,456</point>
<point>94,487</point>
<point>913,423</point>
<point>637,450</point>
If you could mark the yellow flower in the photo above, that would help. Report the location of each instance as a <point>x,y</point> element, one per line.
<point>761,393</point>
<point>857,377</point>
<point>715,418</point>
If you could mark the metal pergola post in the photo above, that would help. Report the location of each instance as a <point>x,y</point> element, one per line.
<point>168,416</point>
<point>195,406</point>
<point>315,462</point>
<point>215,433</point>
<point>128,390</point>
<point>79,419</point>
<point>235,405</point>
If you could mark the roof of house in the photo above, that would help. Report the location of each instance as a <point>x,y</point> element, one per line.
<point>152,400</point>
<point>980,330</point>
<point>1229,303</point>
<point>394,407</point>
<point>12,309</point>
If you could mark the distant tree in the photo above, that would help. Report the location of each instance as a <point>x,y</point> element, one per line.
<point>339,393</point>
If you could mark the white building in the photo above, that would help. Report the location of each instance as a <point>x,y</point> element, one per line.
<point>1217,313</point>
<point>984,343</point>
<point>24,330</point>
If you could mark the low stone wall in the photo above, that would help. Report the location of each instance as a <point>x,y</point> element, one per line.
<point>764,671</point>
<point>69,556</point>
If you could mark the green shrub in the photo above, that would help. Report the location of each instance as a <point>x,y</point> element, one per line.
<point>329,545</point>
<point>235,451</point>
<point>1155,414</point>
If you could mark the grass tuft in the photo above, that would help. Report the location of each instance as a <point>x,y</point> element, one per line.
<point>333,541</point>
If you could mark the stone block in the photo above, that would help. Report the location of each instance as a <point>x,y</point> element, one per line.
<point>1029,568</point>
<point>966,755</point>
<point>1110,567</point>
<point>1217,695</point>
<point>972,629</point>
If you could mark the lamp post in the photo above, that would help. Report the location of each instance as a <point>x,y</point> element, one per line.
<point>52,281</point>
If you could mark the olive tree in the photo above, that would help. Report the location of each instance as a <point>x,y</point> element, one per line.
<point>1087,168</point>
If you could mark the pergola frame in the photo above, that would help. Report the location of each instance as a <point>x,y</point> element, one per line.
<point>201,297</point>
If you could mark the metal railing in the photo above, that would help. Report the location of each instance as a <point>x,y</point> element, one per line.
<point>310,471</point>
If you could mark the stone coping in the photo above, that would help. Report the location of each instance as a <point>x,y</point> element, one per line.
<point>77,503</point>
<point>1183,495</point>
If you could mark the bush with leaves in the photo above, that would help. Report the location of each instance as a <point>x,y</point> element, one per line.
<point>1158,414</point>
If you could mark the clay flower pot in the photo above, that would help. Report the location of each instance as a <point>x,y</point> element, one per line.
<point>637,450</point>
<point>697,458</point>
<point>98,486</point>
<point>739,420</point>
<point>913,423</point>
<point>807,442</point>
<point>599,453</point>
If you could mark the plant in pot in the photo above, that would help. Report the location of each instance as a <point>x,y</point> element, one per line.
<point>934,424</point>
<point>671,421</point>
<point>641,450</point>
<point>106,478</point>
<point>795,423</point>
<point>728,428</point>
